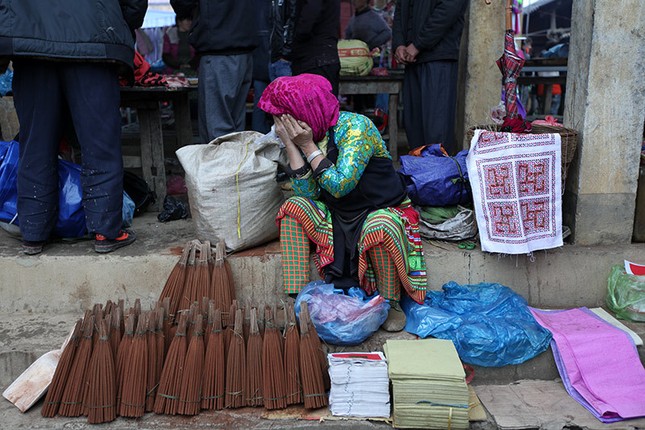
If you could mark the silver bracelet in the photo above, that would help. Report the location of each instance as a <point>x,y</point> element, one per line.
<point>313,155</point>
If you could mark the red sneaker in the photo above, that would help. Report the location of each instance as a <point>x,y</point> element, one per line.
<point>103,245</point>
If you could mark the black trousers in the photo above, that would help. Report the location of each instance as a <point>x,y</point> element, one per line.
<point>429,103</point>
<point>42,91</point>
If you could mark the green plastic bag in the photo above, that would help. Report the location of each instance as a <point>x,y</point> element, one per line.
<point>355,58</point>
<point>626,294</point>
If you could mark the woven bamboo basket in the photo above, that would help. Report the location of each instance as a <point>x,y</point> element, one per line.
<point>568,137</point>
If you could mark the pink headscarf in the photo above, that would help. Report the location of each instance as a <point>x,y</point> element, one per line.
<point>305,97</point>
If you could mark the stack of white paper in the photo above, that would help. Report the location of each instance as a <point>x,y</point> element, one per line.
<point>359,384</point>
<point>428,384</point>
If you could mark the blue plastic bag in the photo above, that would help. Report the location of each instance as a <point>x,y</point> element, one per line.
<point>8,173</point>
<point>71,216</point>
<point>489,324</point>
<point>435,179</point>
<point>128,210</point>
<point>5,82</point>
<point>342,319</point>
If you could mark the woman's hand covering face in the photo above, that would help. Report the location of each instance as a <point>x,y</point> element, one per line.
<point>298,132</point>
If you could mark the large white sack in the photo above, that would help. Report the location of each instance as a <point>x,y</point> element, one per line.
<point>232,188</point>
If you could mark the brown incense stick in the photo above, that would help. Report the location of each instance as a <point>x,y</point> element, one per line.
<point>236,366</point>
<point>57,386</point>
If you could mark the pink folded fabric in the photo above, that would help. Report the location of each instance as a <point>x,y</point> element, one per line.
<point>600,361</point>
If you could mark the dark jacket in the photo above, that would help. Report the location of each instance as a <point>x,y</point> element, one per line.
<point>315,41</point>
<point>370,27</point>
<point>220,27</point>
<point>283,21</point>
<point>261,55</point>
<point>434,26</point>
<point>70,29</point>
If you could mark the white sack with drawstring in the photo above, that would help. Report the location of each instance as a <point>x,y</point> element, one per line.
<point>232,188</point>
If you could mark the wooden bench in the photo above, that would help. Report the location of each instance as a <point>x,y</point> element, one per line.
<point>146,101</point>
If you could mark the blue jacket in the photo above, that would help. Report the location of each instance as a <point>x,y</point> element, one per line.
<point>99,30</point>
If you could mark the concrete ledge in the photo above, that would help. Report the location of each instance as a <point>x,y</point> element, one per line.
<point>69,277</point>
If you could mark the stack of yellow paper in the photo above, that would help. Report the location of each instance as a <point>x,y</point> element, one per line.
<point>428,381</point>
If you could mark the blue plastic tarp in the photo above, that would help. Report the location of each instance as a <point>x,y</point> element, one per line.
<point>489,324</point>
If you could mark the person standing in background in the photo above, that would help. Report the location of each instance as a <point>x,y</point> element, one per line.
<point>178,55</point>
<point>315,41</point>
<point>367,25</point>
<point>426,37</point>
<point>260,121</point>
<point>283,21</point>
<point>69,53</point>
<point>224,39</point>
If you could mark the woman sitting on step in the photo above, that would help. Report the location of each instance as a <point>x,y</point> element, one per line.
<point>349,201</point>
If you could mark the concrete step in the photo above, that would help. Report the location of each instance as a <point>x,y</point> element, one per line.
<point>43,295</point>
<point>69,277</point>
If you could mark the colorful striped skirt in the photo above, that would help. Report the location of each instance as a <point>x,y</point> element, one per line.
<point>390,249</point>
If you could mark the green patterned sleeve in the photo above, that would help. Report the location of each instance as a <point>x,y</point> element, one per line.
<point>357,139</point>
<point>306,187</point>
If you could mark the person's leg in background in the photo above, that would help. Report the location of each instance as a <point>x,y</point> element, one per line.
<point>39,102</point>
<point>224,82</point>
<point>413,117</point>
<point>260,120</point>
<point>439,101</point>
<point>93,94</point>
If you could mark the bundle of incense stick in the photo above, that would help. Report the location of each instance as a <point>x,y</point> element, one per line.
<point>97,311</point>
<point>321,354</point>
<point>292,358</point>
<point>202,285</point>
<point>236,366</point>
<point>274,386</point>
<point>227,269</point>
<point>174,288</point>
<point>171,375</point>
<point>122,357</point>
<point>211,321</point>
<point>207,284</point>
<point>313,387</point>
<point>254,378</point>
<point>228,319</point>
<point>190,395</point>
<point>135,375</point>
<point>115,331</point>
<point>214,382</point>
<point>161,353</point>
<point>152,377</point>
<point>72,399</point>
<point>100,393</point>
<point>222,283</point>
<point>167,325</point>
<point>57,386</point>
<point>191,283</point>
